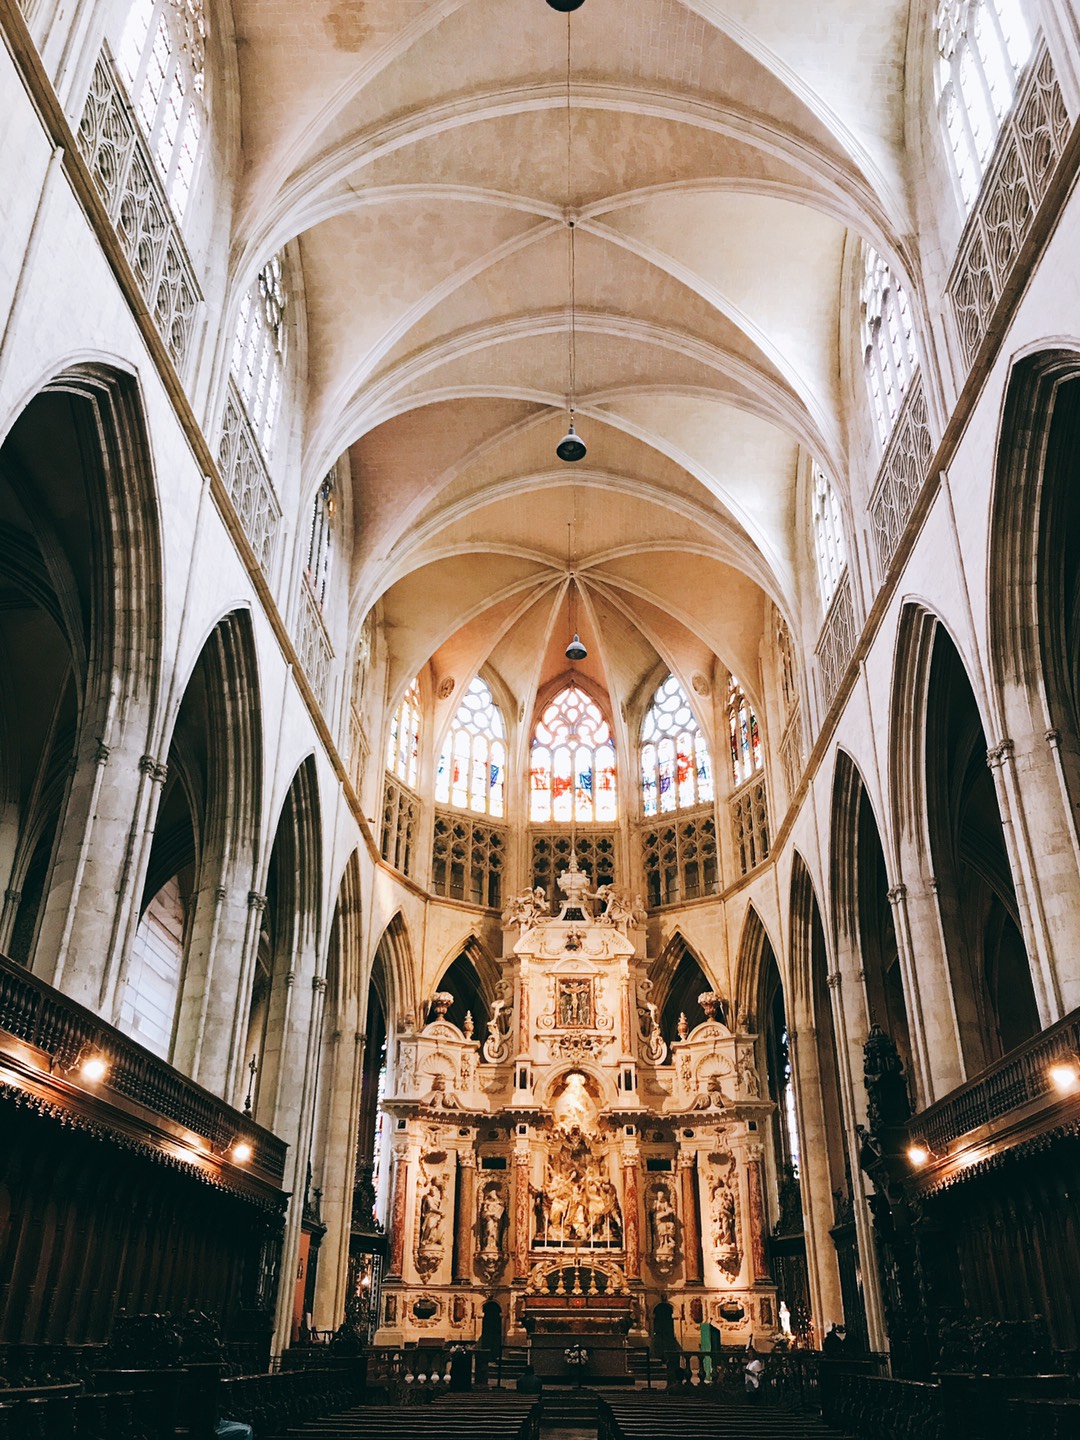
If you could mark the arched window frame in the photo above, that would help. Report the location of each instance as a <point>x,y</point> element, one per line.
<point>260,348</point>
<point>744,735</point>
<point>830,552</point>
<point>403,742</point>
<point>982,46</point>
<point>573,772</point>
<point>162,59</point>
<point>675,764</point>
<point>471,774</point>
<point>320,554</point>
<point>889,355</point>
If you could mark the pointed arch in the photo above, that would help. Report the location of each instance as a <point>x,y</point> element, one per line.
<point>80,545</point>
<point>397,965</point>
<point>862,909</point>
<point>678,976</point>
<point>754,951</point>
<point>343,964</point>
<point>471,976</point>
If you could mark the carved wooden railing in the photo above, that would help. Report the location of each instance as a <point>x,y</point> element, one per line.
<point>42,1017</point>
<point>837,643</point>
<point>247,480</point>
<point>1022,1078</point>
<point>313,643</point>
<point>1028,149</point>
<point>119,159</point>
<point>904,468</point>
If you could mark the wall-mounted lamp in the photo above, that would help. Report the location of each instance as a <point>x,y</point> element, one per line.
<point>90,1067</point>
<point>918,1152</point>
<point>1064,1076</point>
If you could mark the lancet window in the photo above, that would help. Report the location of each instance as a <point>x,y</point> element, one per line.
<point>982,47</point>
<point>829,551</point>
<point>321,540</point>
<point>472,766</point>
<point>743,733</point>
<point>403,743</point>
<point>260,348</point>
<point>676,772</point>
<point>162,58</point>
<point>889,353</point>
<point>572,772</point>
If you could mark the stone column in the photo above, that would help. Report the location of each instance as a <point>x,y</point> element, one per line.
<point>398,1196</point>
<point>521,1210</point>
<point>631,1236</point>
<point>691,1236</point>
<point>755,1191</point>
<point>463,1219</point>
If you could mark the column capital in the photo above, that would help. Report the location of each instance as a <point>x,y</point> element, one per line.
<point>318,984</point>
<point>102,753</point>
<point>897,893</point>
<point>834,980</point>
<point>999,753</point>
<point>256,901</point>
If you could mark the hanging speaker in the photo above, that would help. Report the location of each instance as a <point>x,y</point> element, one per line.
<point>565,6</point>
<point>576,650</point>
<point>571,447</point>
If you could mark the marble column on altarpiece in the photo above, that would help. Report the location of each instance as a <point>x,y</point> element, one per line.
<point>692,1265</point>
<point>464,1218</point>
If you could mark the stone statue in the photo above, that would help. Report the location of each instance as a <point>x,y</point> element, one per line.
<point>526,909</point>
<point>432,1199</point>
<point>662,1223</point>
<point>748,1076</point>
<point>492,1213</point>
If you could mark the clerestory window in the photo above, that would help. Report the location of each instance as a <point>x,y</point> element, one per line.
<point>472,767</point>
<point>743,733</point>
<point>982,47</point>
<point>829,551</point>
<point>889,353</point>
<point>162,58</point>
<point>403,743</point>
<point>260,349</point>
<point>676,771</point>
<point>572,771</point>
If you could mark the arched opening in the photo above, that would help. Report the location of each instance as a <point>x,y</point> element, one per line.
<point>79,637</point>
<point>863,909</point>
<point>286,940</point>
<point>992,987</point>
<point>471,978</point>
<point>677,980</point>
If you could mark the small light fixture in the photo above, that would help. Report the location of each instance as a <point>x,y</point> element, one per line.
<point>93,1068</point>
<point>576,650</point>
<point>571,447</point>
<point>241,1153</point>
<point>1064,1076</point>
<point>565,6</point>
<point>918,1153</point>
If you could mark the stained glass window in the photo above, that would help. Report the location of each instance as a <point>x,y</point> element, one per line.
<point>746,756</point>
<point>162,57</point>
<point>982,47</point>
<point>259,349</point>
<point>403,744</point>
<point>828,536</point>
<point>889,353</point>
<point>572,772</point>
<point>676,772</point>
<point>472,766</point>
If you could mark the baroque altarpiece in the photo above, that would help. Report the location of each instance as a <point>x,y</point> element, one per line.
<point>574,1168</point>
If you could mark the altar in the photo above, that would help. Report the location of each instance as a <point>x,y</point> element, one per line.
<point>575,1169</point>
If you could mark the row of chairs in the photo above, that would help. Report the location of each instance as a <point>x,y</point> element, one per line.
<point>641,1415</point>
<point>484,1416</point>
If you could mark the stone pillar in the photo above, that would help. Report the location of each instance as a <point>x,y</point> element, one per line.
<point>631,1236</point>
<point>398,1196</point>
<point>691,1236</point>
<point>464,1217</point>
<point>521,1208</point>
<point>755,1190</point>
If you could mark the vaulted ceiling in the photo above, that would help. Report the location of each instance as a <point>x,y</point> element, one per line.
<point>724,153</point>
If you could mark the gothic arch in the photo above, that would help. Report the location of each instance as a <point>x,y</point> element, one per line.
<point>394,958</point>
<point>1035,555</point>
<point>862,909</point>
<point>752,958</point>
<point>343,965</point>
<point>678,977</point>
<point>471,974</point>
<point>80,546</point>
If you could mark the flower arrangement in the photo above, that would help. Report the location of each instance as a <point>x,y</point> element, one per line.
<point>576,1355</point>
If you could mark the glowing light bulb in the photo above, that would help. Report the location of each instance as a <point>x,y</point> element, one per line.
<point>94,1069</point>
<point>918,1154</point>
<point>242,1152</point>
